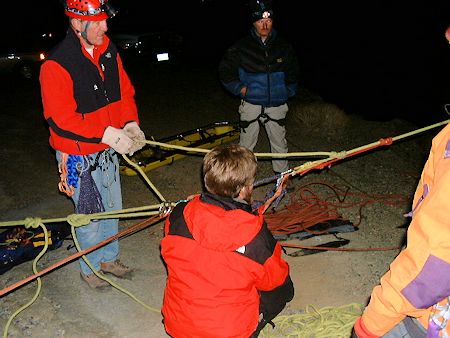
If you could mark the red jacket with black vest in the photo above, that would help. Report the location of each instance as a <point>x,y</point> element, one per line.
<point>224,269</point>
<point>82,95</point>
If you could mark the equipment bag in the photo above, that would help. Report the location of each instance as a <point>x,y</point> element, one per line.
<point>18,244</point>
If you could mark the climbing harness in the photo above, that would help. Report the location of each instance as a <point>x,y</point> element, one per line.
<point>262,118</point>
<point>76,170</point>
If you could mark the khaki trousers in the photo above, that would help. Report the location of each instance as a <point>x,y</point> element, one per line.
<point>276,133</point>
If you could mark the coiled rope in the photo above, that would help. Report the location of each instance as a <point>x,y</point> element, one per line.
<point>327,322</point>
<point>307,209</point>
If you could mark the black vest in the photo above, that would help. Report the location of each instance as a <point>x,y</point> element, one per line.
<point>91,92</point>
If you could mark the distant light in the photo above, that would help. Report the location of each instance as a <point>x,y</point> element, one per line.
<point>41,56</point>
<point>162,57</point>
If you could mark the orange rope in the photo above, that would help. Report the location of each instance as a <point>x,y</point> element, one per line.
<point>130,230</point>
<point>338,249</point>
<point>63,185</point>
<point>262,209</point>
<point>382,142</point>
<point>308,208</point>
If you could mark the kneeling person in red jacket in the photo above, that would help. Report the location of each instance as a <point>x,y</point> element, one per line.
<point>226,276</point>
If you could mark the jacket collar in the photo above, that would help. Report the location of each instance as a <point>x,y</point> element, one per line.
<point>273,34</point>
<point>226,203</point>
<point>73,38</point>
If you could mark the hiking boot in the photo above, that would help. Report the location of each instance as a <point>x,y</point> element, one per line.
<point>93,281</point>
<point>116,268</point>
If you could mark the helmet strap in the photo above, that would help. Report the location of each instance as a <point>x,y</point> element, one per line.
<point>84,33</point>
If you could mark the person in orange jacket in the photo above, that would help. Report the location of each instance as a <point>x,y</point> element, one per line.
<point>413,298</point>
<point>226,274</point>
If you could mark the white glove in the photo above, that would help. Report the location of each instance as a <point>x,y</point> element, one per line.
<point>136,134</point>
<point>117,139</point>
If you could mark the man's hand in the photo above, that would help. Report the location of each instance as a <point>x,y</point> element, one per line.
<point>360,331</point>
<point>243,91</point>
<point>117,139</point>
<point>136,134</point>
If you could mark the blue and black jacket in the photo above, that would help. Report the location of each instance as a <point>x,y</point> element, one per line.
<point>269,70</point>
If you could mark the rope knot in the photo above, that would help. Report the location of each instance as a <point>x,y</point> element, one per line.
<point>340,155</point>
<point>165,208</point>
<point>32,222</point>
<point>78,220</point>
<point>386,141</point>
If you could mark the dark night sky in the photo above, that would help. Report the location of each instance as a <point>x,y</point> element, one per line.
<point>386,57</point>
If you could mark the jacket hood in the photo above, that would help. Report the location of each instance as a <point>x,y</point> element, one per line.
<point>221,224</point>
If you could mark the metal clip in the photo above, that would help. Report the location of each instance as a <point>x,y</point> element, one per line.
<point>284,173</point>
<point>165,208</point>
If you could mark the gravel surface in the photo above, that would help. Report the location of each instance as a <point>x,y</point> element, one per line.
<point>171,102</point>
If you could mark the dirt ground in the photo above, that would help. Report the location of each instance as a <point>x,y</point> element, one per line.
<point>171,102</point>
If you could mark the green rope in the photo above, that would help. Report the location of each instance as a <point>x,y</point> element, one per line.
<point>331,154</point>
<point>327,322</point>
<point>205,151</point>
<point>308,165</point>
<point>102,276</point>
<point>34,224</point>
<point>81,219</point>
<point>145,177</point>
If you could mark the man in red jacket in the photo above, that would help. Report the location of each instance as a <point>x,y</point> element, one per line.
<point>226,276</point>
<point>89,105</point>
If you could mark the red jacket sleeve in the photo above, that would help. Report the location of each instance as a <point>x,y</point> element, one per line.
<point>276,270</point>
<point>58,99</point>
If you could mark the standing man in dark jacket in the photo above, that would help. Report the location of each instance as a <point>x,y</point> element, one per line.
<point>226,276</point>
<point>88,102</point>
<point>262,69</point>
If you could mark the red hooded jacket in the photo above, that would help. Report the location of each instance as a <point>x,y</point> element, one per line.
<point>220,259</point>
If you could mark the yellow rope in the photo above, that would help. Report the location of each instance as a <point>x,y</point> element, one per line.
<point>145,177</point>
<point>343,154</point>
<point>32,223</point>
<point>331,154</point>
<point>81,219</point>
<point>327,322</point>
<point>102,276</point>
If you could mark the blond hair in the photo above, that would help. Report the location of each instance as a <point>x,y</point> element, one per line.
<point>229,168</point>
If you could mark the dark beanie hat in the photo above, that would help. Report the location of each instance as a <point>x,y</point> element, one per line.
<point>261,9</point>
